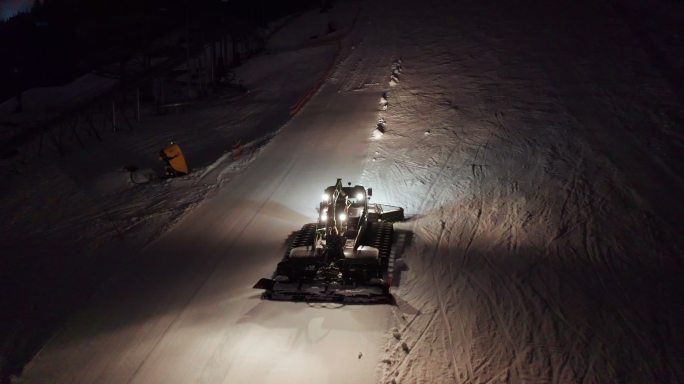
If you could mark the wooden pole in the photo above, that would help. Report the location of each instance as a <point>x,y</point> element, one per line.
<point>137,97</point>
<point>114,115</point>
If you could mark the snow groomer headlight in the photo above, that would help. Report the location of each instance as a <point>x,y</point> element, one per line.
<point>325,197</point>
<point>343,216</point>
<point>359,196</point>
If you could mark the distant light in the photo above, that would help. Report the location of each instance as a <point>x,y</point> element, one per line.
<point>343,217</point>
<point>325,197</point>
<point>359,196</point>
<point>324,217</point>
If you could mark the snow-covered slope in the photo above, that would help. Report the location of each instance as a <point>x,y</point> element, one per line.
<point>536,147</point>
<point>540,152</point>
<point>70,223</point>
<point>186,310</point>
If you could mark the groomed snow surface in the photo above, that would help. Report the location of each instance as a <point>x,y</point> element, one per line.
<point>535,146</point>
<point>539,149</point>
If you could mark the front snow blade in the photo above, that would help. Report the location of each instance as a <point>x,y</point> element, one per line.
<point>385,212</point>
<point>331,293</point>
<point>264,283</point>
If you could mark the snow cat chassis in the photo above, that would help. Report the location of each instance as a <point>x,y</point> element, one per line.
<point>344,257</point>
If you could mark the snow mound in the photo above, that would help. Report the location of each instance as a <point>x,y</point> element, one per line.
<point>396,71</point>
<point>380,128</point>
<point>383,101</point>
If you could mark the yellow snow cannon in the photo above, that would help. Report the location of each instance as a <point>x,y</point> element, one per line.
<point>176,165</point>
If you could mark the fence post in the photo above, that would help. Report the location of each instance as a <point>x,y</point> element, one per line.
<point>114,115</point>
<point>137,102</point>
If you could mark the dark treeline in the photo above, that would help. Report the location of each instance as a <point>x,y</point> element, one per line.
<point>61,39</point>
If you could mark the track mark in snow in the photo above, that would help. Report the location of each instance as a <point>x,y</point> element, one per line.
<point>445,318</point>
<point>477,178</point>
<point>419,340</point>
<point>365,66</point>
